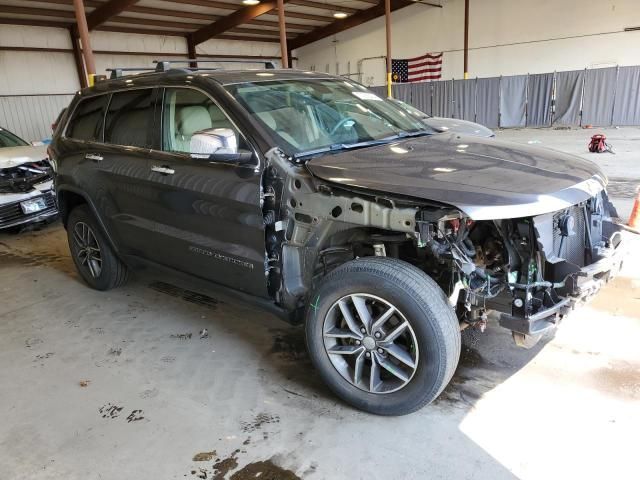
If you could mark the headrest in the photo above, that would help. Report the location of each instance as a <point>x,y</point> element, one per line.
<point>192,119</point>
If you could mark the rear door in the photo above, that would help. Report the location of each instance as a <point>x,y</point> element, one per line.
<point>121,191</point>
<point>207,213</point>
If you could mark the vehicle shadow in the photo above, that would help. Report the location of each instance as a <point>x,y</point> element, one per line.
<point>486,360</point>
<point>282,367</point>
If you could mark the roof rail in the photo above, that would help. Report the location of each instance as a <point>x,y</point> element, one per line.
<point>164,65</point>
<point>118,72</point>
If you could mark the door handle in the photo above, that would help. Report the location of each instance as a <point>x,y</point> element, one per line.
<point>163,170</point>
<point>94,156</point>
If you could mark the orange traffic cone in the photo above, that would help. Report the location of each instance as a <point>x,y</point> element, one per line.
<point>634,218</point>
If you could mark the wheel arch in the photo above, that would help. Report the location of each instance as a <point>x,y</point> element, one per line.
<point>69,197</point>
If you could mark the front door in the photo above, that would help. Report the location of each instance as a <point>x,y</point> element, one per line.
<point>207,213</point>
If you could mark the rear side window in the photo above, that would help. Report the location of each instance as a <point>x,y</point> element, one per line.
<point>86,122</point>
<point>129,119</point>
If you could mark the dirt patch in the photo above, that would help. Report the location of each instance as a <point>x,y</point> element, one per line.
<point>16,258</point>
<point>259,421</point>
<point>182,336</point>
<point>135,416</point>
<point>470,358</point>
<point>115,351</point>
<point>265,470</point>
<point>110,411</point>
<point>186,295</point>
<point>204,456</point>
<point>224,466</point>
<point>289,345</point>
<point>620,378</point>
<point>464,389</point>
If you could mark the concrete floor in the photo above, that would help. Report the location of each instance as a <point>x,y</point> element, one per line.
<point>120,385</point>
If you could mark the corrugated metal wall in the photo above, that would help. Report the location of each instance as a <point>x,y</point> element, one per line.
<point>31,116</point>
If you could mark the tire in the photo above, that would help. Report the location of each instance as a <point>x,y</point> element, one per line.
<point>111,272</point>
<point>382,283</point>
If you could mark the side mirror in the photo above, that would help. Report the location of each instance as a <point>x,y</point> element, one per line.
<point>213,141</point>
<point>218,144</point>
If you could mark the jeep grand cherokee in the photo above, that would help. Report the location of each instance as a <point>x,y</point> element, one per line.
<point>334,207</point>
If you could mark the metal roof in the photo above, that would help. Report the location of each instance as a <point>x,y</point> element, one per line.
<point>306,20</point>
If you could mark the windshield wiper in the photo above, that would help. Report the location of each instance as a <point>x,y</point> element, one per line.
<point>369,143</point>
<point>336,147</point>
<point>418,133</point>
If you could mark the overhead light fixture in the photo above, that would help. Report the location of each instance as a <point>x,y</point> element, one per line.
<point>251,2</point>
<point>340,15</point>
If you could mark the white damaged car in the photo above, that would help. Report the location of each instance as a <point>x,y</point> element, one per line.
<point>26,194</point>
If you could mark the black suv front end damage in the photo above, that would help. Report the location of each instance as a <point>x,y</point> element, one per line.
<point>581,250</point>
<point>531,270</point>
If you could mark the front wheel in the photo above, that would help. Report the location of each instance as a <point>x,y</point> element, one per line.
<point>382,335</point>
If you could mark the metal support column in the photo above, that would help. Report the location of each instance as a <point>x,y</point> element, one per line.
<point>191,51</point>
<point>77,57</point>
<point>83,31</point>
<point>387,24</point>
<point>284,52</point>
<point>466,39</point>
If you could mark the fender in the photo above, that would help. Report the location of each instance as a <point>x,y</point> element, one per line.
<point>71,188</point>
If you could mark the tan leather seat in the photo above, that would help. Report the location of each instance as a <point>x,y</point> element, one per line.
<point>190,120</point>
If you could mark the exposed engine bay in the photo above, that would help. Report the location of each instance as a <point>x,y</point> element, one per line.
<point>26,195</point>
<point>22,178</point>
<point>532,270</point>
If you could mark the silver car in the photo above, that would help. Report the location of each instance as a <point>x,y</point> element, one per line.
<point>440,124</point>
<point>26,194</point>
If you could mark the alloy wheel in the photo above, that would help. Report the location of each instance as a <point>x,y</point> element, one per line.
<point>87,249</point>
<point>370,343</point>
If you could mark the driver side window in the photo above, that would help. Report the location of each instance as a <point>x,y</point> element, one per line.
<point>187,112</point>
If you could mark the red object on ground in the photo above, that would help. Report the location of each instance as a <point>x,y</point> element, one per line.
<point>598,143</point>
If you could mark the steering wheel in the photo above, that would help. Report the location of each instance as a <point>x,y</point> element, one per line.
<point>342,123</point>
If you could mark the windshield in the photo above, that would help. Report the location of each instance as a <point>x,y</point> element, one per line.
<point>411,109</point>
<point>316,114</point>
<point>8,139</point>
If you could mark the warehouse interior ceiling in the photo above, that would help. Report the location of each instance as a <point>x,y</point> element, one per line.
<point>200,20</point>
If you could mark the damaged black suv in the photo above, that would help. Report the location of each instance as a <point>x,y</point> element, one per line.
<point>311,195</point>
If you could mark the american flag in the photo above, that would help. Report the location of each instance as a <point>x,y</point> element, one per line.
<point>418,69</point>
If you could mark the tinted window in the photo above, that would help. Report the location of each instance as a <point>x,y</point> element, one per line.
<point>86,123</point>
<point>189,111</point>
<point>129,119</point>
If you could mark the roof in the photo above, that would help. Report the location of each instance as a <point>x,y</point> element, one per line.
<point>223,77</point>
<point>228,77</point>
<point>200,20</point>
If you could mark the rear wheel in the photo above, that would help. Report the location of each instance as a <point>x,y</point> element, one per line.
<point>383,335</point>
<point>94,258</point>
